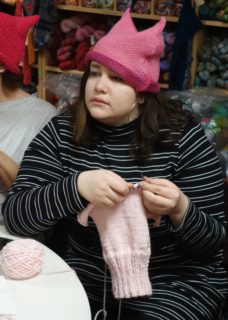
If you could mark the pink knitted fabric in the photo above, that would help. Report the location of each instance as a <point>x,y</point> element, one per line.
<point>125,240</point>
<point>133,55</point>
<point>22,258</point>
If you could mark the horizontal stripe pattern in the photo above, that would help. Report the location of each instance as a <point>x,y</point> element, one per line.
<point>186,260</point>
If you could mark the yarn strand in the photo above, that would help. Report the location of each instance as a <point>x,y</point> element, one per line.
<point>103,310</point>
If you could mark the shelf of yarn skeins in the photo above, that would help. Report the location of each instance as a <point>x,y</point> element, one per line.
<point>113,12</point>
<point>211,58</point>
<point>213,12</point>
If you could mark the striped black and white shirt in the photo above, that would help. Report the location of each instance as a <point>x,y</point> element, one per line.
<point>46,191</point>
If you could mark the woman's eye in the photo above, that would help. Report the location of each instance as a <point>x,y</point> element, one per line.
<point>116,78</point>
<point>93,73</point>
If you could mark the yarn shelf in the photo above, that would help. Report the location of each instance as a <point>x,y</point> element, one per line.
<point>215,23</point>
<point>198,39</point>
<point>114,12</point>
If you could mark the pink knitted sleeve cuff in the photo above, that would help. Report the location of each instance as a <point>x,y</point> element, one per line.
<point>129,272</point>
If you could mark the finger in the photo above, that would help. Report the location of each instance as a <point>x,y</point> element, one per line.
<point>156,217</point>
<point>119,186</point>
<point>149,186</point>
<point>161,182</point>
<point>130,185</point>
<point>155,202</point>
<point>160,190</point>
<point>114,196</point>
<point>108,202</point>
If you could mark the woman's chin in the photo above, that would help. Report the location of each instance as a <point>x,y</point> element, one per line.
<point>99,115</point>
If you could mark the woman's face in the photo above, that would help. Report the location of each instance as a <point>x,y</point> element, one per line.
<point>108,98</point>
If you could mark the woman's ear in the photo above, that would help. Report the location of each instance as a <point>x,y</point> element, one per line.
<point>2,68</point>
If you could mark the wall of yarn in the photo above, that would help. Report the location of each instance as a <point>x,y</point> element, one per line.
<point>103,4</point>
<point>77,33</point>
<point>168,7</point>
<point>64,88</point>
<point>107,4</point>
<point>210,107</point>
<point>212,67</point>
<point>214,10</point>
<point>138,6</point>
<point>162,7</point>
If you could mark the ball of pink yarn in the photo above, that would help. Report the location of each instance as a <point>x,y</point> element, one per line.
<point>22,258</point>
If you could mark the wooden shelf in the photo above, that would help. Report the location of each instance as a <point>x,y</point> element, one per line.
<point>150,16</point>
<point>58,70</point>
<point>114,12</point>
<point>164,85</point>
<point>214,23</point>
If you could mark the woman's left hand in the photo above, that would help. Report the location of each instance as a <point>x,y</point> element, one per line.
<point>162,197</point>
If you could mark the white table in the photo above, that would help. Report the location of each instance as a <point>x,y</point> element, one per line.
<point>54,294</point>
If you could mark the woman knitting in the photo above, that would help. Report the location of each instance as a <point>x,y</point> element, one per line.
<point>138,187</point>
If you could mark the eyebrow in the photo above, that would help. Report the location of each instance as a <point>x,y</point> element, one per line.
<point>97,66</point>
<point>94,65</point>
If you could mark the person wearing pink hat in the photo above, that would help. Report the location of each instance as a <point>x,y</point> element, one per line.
<point>22,115</point>
<point>135,184</point>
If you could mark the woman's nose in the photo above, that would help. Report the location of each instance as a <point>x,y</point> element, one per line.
<point>101,84</point>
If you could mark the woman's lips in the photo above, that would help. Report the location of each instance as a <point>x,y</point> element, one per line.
<point>98,101</point>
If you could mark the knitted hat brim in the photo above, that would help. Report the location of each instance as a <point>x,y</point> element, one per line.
<point>127,75</point>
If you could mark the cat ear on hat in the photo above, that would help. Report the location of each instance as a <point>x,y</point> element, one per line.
<point>24,23</point>
<point>13,36</point>
<point>124,25</point>
<point>156,43</point>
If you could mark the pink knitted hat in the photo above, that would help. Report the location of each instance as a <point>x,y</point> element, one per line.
<point>125,240</point>
<point>13,33</point>
<point>133,55</point>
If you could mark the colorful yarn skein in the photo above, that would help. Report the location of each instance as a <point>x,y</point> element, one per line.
<point>22,258</point>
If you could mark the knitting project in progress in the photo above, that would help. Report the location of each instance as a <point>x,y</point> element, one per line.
<point>125,240</point>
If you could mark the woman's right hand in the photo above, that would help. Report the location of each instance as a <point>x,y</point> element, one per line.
<point>102,187</point>
<point>8,170</point>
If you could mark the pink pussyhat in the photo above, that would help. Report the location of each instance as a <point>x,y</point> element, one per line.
<point>13,34</point>
<point>134,56</point>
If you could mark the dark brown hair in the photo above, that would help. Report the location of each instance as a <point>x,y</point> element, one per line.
<point>10,81</point>
<point>161,123</point>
